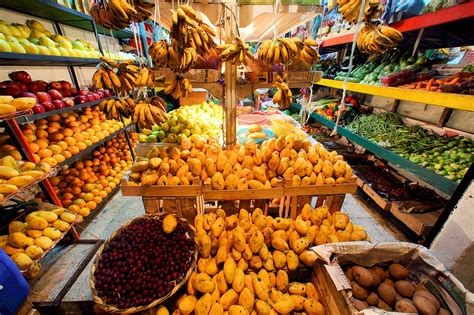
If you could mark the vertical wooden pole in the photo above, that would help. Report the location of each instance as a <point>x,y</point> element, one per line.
<point>230,105</point>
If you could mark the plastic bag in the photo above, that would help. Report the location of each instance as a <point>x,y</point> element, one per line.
<point>411,7</point>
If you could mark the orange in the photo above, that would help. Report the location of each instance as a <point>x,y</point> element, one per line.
<point>91,205</point>
<point>66,203</point>
<point>68,196</point>
<point>106,133</point>
<point>45,153</point>
<point>67,154</point>
<point>95,139</point>
<point>34,147</point>
<point>50,161</point>
<point>41,134</point>
<point>59,157</point>
<point>95,121</point>
<point>74,208</point>
<point>79,165</point>
<point>52,130</point>
<point>67,132</point>
<point>112,185</point>
<point>56,149</point>
<point>85,135</point>
<point>95,191</point>
<point>73,149</point>
<point>76,190</point>
<point>108,190</point>
<point>81,146</point>
<point>84,211</point>
<point>90,131</point>
<point>30,137</point>
<point>79,202</point>
<point>116,181</point>
<point>55,182</point>
<point>70,140</point>
<point>97,199</point>
<point>103,193</point>
<point>57,136</point>
<point>42,143</point>
<point>62,144</point>
<point>79,137</point>
<point>54,118</point>
<point>84,176</point>
<point>88,142</point>
<point>88,163</point>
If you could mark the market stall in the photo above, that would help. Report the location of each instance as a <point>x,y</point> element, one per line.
<point>234,158</point>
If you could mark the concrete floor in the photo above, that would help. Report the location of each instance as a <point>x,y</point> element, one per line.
<point>120,210</point>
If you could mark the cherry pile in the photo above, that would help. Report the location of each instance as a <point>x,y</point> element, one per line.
<point>142,263</point>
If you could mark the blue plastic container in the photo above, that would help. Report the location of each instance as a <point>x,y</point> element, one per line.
<point>243,140</point>
<point>13,287</point>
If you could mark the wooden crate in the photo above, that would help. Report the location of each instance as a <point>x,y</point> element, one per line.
<point>379,200</point>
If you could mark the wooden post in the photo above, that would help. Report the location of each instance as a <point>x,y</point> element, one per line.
<point>230,105</point>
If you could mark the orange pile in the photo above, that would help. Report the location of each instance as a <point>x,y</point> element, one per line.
<point>83,186</point>
<point>58,137</point>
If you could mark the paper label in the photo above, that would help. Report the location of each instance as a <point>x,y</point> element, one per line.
<point>338,277</point>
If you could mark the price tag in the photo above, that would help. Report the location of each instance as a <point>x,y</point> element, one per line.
<point>338,277</point>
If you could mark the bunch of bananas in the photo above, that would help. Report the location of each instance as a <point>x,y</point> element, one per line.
<point>160,52</point>
<point>180,86</point>
<point>179,59</point>
<point>283,95</point>
<point>118,14</point>
<point>377,39</point>
<point>349,10</point>
<point>151,112</point>
<point>235,53</point>
<point>146,77</point>
<point>115,108</point>
<point>308,54</point>
<point>189,30</point>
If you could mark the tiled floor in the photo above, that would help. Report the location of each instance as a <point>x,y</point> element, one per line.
<point>121,210</point>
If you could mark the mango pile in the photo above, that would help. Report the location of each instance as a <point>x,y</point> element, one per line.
<point>245,260</point>
<point>28,240</point>
<point>248,166</point>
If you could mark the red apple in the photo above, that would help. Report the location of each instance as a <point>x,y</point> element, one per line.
<point>43,86</point>
<point>58,104</point>
<point>107,93</point>
<point>101,94</point>
<point>48,106</point>
<point>64,92</point>
<point>96,96</point>
<point>34,87</point>
<point>83,92</point>
<point>65,84</point>
<point>43,97</point>
<point>28,94</point>
<point>90,97</point>
<point>73,91</point>
<point>55,95</point>
<point>80,99</point>
<point>54,85</point>
<point>4,84</point>
<point>38,108</point>
<point>20,76</point>
<point>23,87</point>
<point>12,91</point>
<point>68,101</point>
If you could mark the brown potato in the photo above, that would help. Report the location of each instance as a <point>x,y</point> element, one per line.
<point>359,305</point>
<point>397,271</point>
<point>429,296</point>
<point>373,299</point>
<point>424,305</point>
<point>404,288</point>
<point>362,276</point>
<point>387,293</point>
<point>405,306</point>
<point>380,272</point>
<point>384,305</point>
<point>358,291</point>
<point>375,275</point>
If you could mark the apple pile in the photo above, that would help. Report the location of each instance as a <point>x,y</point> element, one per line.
<point>58,137</point>
<point>49,96</point>
<point>142,263</point>
<point>83,186</point>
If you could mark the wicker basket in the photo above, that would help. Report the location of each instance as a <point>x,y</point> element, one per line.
<point>114,309</point>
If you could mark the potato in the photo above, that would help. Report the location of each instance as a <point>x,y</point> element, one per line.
<point>405,306</point>
<point>282,281</point>
<point>359,305</point>
<point>256,262</point>
<point>284,304</point>
<point>203,283</point>
<point>348,273</point>
<point>203,305</point>
<point>228,299</point>
<point>217,309</point>
<point>404,288</point>
<point>292,260</point>
<point>204,242</point>
<point>211,267</point>
<point>376,279</point>
<point>380,272</point>
<point>358,291</point>
<point>229,269</point>
<point>443,311</point>
<point>221,282</point>
<point>297,288</point>
<point>238,281</point>
<point>268,264</point>
<point>362,276</point>
<point>238,310</point>
<point>256,242</point>
<point>186,305</point>
<point>280,244</point>
<point>263,308</point>
<point>279,259</point>
<point>426,294</point>
<point>397,271</point>
<point>386,293</point>
<point>373,299</point>
<point>424,305</point>
<point>281,224</point>
<point>301,245</point>
<point>383,305</point>
<point>313,307</point>
<point>246,299</point>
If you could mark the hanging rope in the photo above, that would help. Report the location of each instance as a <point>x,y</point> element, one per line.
<point>276,8</point>
<point>349,70</point>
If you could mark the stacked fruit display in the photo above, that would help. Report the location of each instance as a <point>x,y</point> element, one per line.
<point>15,175</point>
<point>391,288</point>
<point>47,96</point>
<point>27,241</point>
<point>33,38</point>
<point>58,137</point>
<point>248,166</point>
<point>84,185</point>
<point>125,277</point>
<point>203,120</point>
<point>245,261</point>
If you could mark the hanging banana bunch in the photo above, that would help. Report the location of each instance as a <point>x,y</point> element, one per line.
<point>236,53</point>
<point>180,86</point>
<point>146,77</point>
<point>122,81</point>
<point>349,10</point>
<point>115,108</point>
<point>158,52</point>
<point>308,54</point>
<point>189,30</point>
<point>150,112</point>
<point>283,95</point>
<point>378,39</point>
<point>274,52</point>
<point>118,14</point>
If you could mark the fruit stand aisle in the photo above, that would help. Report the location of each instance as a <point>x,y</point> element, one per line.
<point>231,158</point>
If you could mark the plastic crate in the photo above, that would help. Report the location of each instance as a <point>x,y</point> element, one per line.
<point>13,287</point>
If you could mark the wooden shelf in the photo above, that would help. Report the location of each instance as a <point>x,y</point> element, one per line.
<point>439,182</point>
<point>449,100</point>
<point>16,59</point>
<point>451,14</point>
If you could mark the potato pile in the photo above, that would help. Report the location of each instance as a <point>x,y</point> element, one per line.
<point>390,289</point>
<point>248,166</point>
<point>14,175</point>
<point>244,259</point>
<point>27,241</point>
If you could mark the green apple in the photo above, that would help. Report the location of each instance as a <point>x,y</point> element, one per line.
<point>161,135</point>
<point>4,46</point>
<point>44,50</point>
<point>45,41</point>
<point>72,53</point>
<point>54,51</point>
<point>80,53</point>
<point>77,45</point>
<point>65,44</point>
<point>156,128</point>
<point>30,48</point>
<point>17,48</point>
<point>33,40</point>
<point>63,51</point>
<point>142,138</point>
<point>151,138</point>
